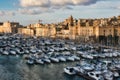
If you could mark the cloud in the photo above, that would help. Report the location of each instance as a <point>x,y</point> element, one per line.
<point>33,11</point>
<point>8,13</point>
<point>84,2</point>
<point>1,13</point>
<point>60,2</point>
<point>68,8</point>
<point>49,3</point>
<point>108,4</point>
<point>118,7</point>
<point>28,11</point>
<point>40,6</point>
<point>34,3</point>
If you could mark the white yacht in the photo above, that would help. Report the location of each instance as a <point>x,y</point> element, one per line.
<point>87,56</point>
<point>69,57</point>
<point>88,67</point>
<point>108,75</point>
<point>54,59</point>
<point>96,75</point>
<point>30,61</point>
<point>76,57</point>
<point>69,70</point>
<point>5,53</point>
<point>46,60</point>
<point>26,51</point>
<point>116,74</point>
<point>12,52</point>
<point>79,69</point>
<point>39,61</point>
<point>61,58</point>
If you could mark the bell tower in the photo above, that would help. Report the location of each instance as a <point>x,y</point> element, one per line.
<point>71,21</point>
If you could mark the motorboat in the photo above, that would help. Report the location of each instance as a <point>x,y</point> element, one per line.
<point>69,71</point>
<point>87,56</point>
<point>73,48</point>
<point>13,52</point>
<point>107,63</point>
<point>30,61</point>
<point>76,57</point>
<point>46,60</point>
<point>26,51</point>
<point>39,50</point>
<point>96,75</point>
<point>88,67</point>
<point>80,52</point>
<point>33,50</point>
<point>79,69</point>
<point>69,58</point>
<point>5,53</point>
<point>54,59</point>
<point>52,50</point>
<point>20,51</point>
<point>114,54</point>
<point>39,61</point>
<point>117,66</point>
<point>108,75</point>
<point>116,74</point>
<point>62,58</point>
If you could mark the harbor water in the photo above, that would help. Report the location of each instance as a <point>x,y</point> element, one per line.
<point>15,68</point>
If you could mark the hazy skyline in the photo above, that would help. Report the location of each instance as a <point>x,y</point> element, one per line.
<point>30,11</point>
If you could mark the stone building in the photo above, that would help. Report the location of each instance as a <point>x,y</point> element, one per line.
<point>39,30</point>
<point>26,31</point>
<point>101,30</point>
<point>71,28</point>
<point>48,30</point>
<point>9,27</point>
<point>42,32</point>
<point>85,29</point>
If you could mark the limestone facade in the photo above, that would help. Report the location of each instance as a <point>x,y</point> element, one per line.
<point>9,27</point>
<point>26,31</point>
<point>70,28</point>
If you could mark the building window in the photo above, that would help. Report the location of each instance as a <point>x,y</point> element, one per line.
<point>104,31</point>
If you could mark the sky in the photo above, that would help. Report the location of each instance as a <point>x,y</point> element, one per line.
<point>52,11</point>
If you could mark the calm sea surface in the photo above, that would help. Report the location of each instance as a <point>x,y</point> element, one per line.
<point>15,68</point>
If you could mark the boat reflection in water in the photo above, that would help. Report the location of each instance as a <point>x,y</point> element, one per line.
<point>15,68</point>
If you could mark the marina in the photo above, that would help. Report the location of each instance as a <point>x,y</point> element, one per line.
<point>56,56</point>
<point>59,39</point>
